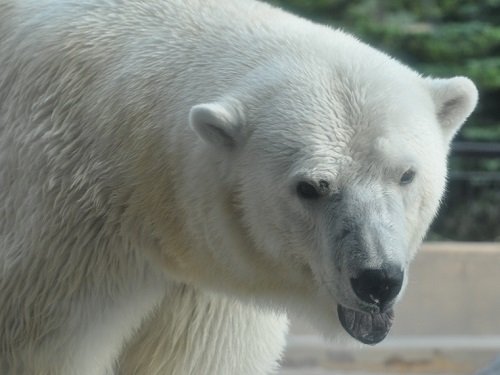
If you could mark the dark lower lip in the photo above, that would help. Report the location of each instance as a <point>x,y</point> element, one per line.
<point>367,327</point>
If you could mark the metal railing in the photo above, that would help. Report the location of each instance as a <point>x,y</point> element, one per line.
<point>476,150</point>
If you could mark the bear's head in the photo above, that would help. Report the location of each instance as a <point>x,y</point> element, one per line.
<point>332,174</point>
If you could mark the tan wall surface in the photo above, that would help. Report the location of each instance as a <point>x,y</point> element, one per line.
<point>453,289</point>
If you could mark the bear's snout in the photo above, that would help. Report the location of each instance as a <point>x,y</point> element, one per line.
<point>378,286</point>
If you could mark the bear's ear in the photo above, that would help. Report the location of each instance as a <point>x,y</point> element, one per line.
<point>219,123</point>
<point>455,99</point>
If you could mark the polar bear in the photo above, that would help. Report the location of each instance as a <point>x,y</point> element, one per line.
<point>177,176</point>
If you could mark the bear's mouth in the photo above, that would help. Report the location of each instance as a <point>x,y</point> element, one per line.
<point>368,328</point>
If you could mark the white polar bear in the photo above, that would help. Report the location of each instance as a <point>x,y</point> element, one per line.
<point>230,159</point>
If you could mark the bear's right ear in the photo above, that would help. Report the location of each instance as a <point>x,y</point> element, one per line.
<point>455,99</point>
<point>218,123</point>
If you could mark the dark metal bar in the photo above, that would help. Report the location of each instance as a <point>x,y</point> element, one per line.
<point>480,149</point>
<point>474,176</point>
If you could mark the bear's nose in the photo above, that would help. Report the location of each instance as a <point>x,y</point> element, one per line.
<point>378,286</point>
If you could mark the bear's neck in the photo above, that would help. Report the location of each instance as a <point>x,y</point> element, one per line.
<point>195,333</point>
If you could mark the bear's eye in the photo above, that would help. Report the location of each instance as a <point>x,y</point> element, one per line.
<point>407,177</point>
<point>308,190</point>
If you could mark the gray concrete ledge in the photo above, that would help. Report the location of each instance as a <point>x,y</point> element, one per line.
<point>310,354</point>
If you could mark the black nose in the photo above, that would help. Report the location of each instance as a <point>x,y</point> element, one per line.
<point>378,286</point>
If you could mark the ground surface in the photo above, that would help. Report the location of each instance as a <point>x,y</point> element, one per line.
<point>420,355</point>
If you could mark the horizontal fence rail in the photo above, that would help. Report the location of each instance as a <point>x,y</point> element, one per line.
<point>476,150</point>
<point>480,149</point>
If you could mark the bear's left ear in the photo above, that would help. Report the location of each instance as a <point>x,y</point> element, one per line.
<point>219,123</point>
<point>455,99</point>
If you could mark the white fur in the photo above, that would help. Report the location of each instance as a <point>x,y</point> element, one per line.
<point>111,203</point>
<point>219,337</point>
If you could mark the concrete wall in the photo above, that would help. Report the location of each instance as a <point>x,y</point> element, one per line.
<point>453,289</point>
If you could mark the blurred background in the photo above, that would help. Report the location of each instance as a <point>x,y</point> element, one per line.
<point>449,319</point>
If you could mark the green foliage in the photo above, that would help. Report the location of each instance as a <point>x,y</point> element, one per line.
<point>441,38</point>
<point>439,44</point>
<point>480,133</point>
